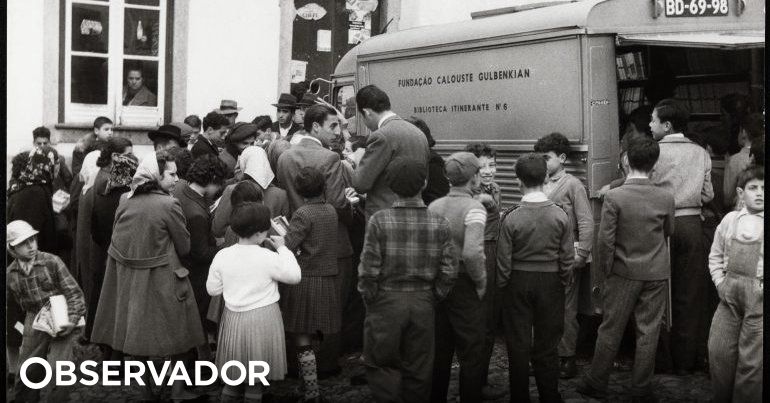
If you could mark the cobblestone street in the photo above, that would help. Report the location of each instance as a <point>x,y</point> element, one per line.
<point>668,388</point>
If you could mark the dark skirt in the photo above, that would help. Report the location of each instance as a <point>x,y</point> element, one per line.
<point>312,306</point>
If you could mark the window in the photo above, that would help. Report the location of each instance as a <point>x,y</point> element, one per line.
<point>114,61</point>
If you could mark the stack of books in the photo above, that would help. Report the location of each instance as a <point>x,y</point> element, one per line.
<point>630,66</point>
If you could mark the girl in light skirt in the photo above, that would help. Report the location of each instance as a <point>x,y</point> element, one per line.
<point>247,275</point>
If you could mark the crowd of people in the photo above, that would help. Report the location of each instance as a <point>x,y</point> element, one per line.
<point>298,241</point>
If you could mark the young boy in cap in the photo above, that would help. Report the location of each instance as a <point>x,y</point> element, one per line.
<point>460,318</point>
<point>407,264</point>
<point>535,255</point>
<point>736,263</point>
<point>636,269</point>
<point>32,278</point>
<point>568,192</point>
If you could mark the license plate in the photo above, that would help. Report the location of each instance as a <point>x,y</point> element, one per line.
<point>696,8</point>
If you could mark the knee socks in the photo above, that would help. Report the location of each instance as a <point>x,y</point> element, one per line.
<point>307,369</point>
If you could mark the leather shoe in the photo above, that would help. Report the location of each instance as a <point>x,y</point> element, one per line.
<point>582,387</point>
<point>489,392</point>
<point>567,368</point>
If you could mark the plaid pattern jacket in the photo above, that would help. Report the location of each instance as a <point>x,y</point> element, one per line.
<point>48,276</point>
<point>313,237</point>
<point>407,248</point>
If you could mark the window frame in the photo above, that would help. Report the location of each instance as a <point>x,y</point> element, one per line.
<point>80,113</point>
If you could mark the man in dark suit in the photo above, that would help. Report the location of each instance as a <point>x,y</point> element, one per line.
<point>312,151</point>
<point>285,126</point>
<point>391,137</point>
<point>215,126</point>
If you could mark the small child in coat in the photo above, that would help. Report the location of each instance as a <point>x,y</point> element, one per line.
<point>312,308</point>
<point>535,254</point>
<point>635,269</point>
<point>32,278</point>
<point>736,263</point>
<point>247,276</point>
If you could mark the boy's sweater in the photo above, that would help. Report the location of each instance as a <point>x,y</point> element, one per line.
<point>637,207</point>
<point>684,169</point>
<point>467,218</point>
<point>536,236</point>
<point>569,192</point>
<point>48,276</point>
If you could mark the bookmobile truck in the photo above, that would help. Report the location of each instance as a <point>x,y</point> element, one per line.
<point>510,76</point>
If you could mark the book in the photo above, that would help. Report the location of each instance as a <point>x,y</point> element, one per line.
<point>280,225</point>
<point>54,316</point>
<point>60,200</point>
<point>639,62</point>
<point>630,66</point>
<point>620,68</point>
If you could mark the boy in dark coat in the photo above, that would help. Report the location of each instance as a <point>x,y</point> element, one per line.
<point>636,269</point>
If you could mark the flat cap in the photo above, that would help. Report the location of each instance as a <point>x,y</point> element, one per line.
<point>460,167</point>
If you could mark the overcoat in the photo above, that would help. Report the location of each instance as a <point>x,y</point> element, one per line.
<point>147,306</point>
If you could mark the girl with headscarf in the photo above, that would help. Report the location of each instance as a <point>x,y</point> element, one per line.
<point>105,198</point>
<point>147,307</point>
<point>254,168</point>
<point>95,173</point>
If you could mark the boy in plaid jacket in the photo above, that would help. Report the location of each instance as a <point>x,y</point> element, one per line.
<point>32,278</point>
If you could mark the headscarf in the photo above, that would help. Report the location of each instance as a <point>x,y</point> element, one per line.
<point>38,171</point>
<point>147,171</point>
<point>90,170</point>
<point>253,161</point>
<point>121,172</point>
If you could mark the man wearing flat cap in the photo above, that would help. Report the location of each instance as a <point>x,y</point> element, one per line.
<point>458,323</point>
<point>285,125</point>
<point>241,136</point>
<point>229,109</point>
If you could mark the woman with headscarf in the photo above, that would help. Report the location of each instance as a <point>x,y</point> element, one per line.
<point>30,193</point>
<point>105,197</point>
<point>147,307</point>
<point>95,174</point>
<point>254,168</point>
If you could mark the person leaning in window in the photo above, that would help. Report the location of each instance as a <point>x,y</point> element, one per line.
<point>134,92</point>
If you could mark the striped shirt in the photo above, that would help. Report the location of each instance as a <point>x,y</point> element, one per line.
<point>48,276</point>
<point>407,248</point>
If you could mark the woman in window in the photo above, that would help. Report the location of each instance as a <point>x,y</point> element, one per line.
<point>146,307</point>
<point>135,93</point>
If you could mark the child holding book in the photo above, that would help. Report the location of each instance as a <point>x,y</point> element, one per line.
<point>247,276</point>
<point>33,278</point>
<point>568,191</point>
<point>636,269</point>
<point>736,263</point>
<point>312,308</point>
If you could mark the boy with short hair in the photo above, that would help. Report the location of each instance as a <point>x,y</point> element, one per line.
<point>407,264</point>
<point>636,269</point>
<point>32,278</point>
<point>736,263</point>
<point>568,192</point>
<point>489,194</point>
<point>535,254</point>
<point>90,142</point>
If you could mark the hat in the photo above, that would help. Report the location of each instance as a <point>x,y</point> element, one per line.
<point>18,231</point>
<point>286,101</point>
<point>227,107</point>
<point>241,131</point>
<point>168,131</point>
<point>406,176</point>
<point>460,167</point>
<point>308,99</point>
<point>186,130</point>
